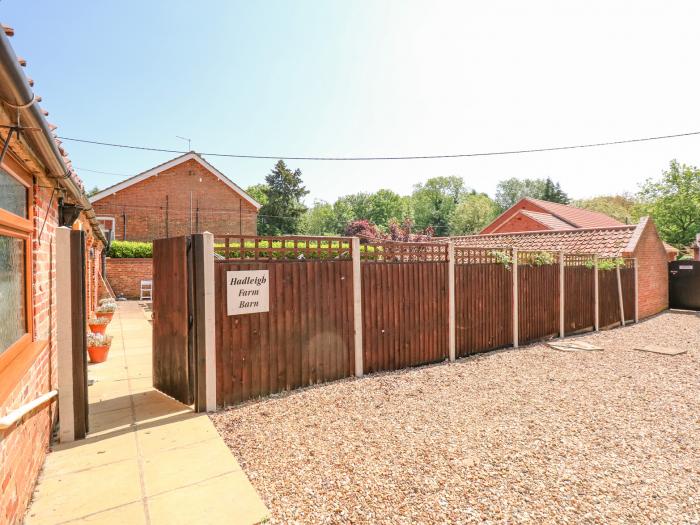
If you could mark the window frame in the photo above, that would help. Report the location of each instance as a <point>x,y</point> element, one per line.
<point>12,225</point>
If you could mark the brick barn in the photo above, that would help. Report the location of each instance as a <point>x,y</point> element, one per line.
<point>181,196</point>
<point>528,215</point>
<point>640,241</point>
<point>39,192</point>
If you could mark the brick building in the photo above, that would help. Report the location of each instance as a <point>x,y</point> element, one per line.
<point>529,215</point>
<point>182,196</point>
<point>640,241</point>
<point>39,192</point>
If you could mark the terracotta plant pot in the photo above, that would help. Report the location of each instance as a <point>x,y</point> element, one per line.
<point>98,354</point>
<point>97,328</point>
<point>106,315</point>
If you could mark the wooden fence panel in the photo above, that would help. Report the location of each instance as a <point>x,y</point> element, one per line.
<point>608,299</point>
<point>579,298</point>
<point>538,302</point>
<point>404,314</point>
<point>483,304</point>
<point>627,278</point>
<point>305,338</point>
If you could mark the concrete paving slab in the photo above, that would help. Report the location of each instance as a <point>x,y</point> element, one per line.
<point>664,350</point>
<point>148,458</point>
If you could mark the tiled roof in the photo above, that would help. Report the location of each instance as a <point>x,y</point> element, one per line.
<point>577,217</point>
<point>547,219</point>
<point>606,242</point>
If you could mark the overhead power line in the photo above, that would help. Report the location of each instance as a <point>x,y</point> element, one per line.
<point>401,157</point>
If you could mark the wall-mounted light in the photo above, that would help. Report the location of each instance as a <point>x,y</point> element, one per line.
<point>67,213</point>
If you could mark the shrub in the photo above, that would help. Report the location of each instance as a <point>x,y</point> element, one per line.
<point>502,257</point>
<point>130,249</point>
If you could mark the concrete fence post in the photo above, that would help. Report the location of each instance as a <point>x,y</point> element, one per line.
<point>515,298</point>
<point>64,336</point>
<point>562,310</point>
<point>619,295</point>
<point>596,306</point>
<point>452,308</point>
<point>357,304</point>
<point>205,319</point>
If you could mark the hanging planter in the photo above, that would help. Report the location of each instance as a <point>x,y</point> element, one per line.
<point>98,347</point>
<point>98,325</point>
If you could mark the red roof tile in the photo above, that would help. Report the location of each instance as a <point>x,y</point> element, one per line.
<point>577,217</point>
<point>547,219</point>
<point>606,242</point>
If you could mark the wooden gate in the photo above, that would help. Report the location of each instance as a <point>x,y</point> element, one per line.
<point>404,305</point>
<point>684,285</point>
<point>173,362</point>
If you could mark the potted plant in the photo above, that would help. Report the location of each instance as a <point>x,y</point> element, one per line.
<point>106,311</point>
<point>98,325</point>
<point>107,300</point>
<point>98,347</point>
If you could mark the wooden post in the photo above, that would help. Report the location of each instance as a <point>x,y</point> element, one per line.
<point>636,291</point>
<point>357,304</point>
<point>562,312</point>
<point>619,295</point>
<point>515,298</point>
<point>596,315</point>
<point>451,289</point>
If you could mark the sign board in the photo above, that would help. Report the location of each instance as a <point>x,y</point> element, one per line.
<point>247,292</point>
<point>685,267</point>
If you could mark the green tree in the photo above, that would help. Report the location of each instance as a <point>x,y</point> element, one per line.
<point>94,191</point>
<point>620,207</point>
<point>320,219</point>
<point>553,192</point>
<point>435,201</point>
<point>258,192</point>
<point>472,214</point>
<point>510,191</point>
<point>674,203</point>
<point>282,212</point>
<point>358,203</point>
<point>385,205</point>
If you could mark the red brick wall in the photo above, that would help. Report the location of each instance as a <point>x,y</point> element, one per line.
<point>23,448</point>
<point>125,275</point>
<point>652,272</point>
<point>160,206</point>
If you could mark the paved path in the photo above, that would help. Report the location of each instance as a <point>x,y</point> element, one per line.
<point>148,459</point>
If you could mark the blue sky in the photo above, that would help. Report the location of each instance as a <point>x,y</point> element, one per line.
<point>370,78</point>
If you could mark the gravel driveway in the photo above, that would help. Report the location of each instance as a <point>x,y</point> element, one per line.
<point>527,435</point>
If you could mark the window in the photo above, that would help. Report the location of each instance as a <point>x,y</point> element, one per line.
<point>15,271</point>
<point>13,308</point>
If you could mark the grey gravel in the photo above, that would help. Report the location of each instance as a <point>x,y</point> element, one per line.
<point>514,436</point>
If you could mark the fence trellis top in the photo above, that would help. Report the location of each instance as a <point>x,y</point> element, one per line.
<point>469,255</point>
<point>395,251</point>
<point>247,247</point>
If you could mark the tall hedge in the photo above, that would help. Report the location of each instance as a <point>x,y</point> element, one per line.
<point>130,249</point>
